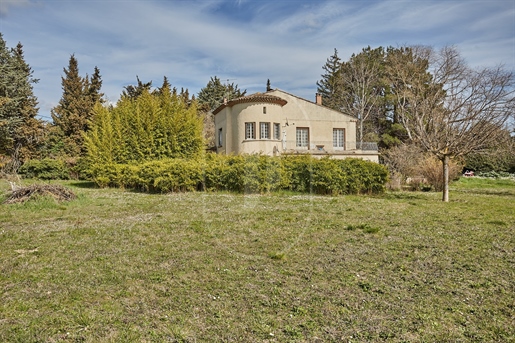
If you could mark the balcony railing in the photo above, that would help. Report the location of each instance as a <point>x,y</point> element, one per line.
<point>328,146</point>
<point>368,146</point>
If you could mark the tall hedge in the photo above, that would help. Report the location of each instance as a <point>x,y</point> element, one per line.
<point>150,127</point>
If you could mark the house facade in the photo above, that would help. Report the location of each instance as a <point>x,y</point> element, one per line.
<point>277,123</point>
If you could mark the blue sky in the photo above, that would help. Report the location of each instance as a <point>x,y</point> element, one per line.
<point>243,41</point>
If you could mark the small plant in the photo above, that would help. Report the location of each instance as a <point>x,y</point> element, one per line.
<point>277,255</point>
<point>367,228</point>
<point>495,175</point>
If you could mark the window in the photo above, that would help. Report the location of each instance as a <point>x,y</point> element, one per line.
<point>250,130</point>
<point>264,130</point>
<point>277,131</point>
<point>220,137</point>
<point>264,109</point>
<point>302,137</point>
<point>338,138</point>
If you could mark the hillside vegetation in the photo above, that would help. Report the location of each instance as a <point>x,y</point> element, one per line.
<point>120,266</point>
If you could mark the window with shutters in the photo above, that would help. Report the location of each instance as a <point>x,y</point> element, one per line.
<point>220,137</point>
<point>264,130</point>
<point>250,130</point>
<point>339,139</point>
<point>302,138</point>
<point>277,131</point>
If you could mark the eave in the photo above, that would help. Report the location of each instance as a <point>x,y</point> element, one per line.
<point>253,98</point>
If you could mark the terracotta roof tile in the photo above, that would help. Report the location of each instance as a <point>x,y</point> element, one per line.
<point>256,97</point>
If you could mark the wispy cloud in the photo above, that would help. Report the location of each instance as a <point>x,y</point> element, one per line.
<point>245,41</point>
<point>6,5</point>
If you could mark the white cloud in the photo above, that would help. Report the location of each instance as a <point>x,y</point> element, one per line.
<point>6,5</point>
<point>249,41</point>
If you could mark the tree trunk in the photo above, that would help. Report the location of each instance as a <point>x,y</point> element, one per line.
<point>445,163</point>
<point>361,132</point>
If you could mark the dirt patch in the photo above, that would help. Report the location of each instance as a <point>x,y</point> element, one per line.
<point>24,194</point>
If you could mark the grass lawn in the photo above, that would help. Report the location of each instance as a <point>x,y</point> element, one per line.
<point>120,266</point>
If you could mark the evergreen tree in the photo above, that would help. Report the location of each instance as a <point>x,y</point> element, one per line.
<point>212,96</point>
<point>329,86</point>
<point>215,92</point>
<point>133,92</point>
<point>155,125</point>
<point>166,87</point>
<point>95,85</point>
<point>20,131</point>
<point>185,95</point>
<point>370,86</point>
<point>72,115</point>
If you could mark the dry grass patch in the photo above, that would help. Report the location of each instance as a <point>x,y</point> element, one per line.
<point>56,192</point>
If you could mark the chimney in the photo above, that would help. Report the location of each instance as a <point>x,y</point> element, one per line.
<point>318,98</point>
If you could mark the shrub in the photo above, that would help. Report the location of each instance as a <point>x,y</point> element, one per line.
<point>45,169</point>
<point>498,159</point>
<point>495,175</point>
<point>432,170</point>
<point>330,176</point>
<point>403,160</point>
<point>79,168</point>
<point>298,172</point>
<point>246,174</point>
<point>176,175</point>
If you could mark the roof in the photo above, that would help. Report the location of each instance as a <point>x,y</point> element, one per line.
<point>256,97</point>
<point>313,103</point>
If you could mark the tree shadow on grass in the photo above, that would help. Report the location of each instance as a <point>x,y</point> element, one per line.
<point>84,184</point>
<point>405,195</point>
<point>478,191</point>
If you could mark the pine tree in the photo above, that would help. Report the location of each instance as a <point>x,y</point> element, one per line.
<point>95,84</point>
<point>212,96</point>
<point>72,115</point>
<point>20,130</point>
<point>329,86</point>
<point>215,92</point>
<point>165,88</point>
<point>133,92</point>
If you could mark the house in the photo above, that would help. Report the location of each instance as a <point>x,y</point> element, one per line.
<point>279,123</point>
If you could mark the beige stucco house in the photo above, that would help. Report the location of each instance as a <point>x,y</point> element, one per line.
<point>278,123</point>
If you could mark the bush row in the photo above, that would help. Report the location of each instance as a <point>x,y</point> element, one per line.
<point>246,174</point>
<point>54,169</point>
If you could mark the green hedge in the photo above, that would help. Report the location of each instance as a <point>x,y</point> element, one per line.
<point>45,169</point>
<point>56,169</point>
<point>247,174</point>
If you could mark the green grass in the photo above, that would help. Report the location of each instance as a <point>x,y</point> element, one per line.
<point>120,266</point>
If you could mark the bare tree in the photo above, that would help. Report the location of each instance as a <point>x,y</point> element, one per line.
<point>459,110</point>
<point>360,82</point>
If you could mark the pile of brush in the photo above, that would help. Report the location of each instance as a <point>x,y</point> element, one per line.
<point>23,194</point>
